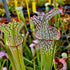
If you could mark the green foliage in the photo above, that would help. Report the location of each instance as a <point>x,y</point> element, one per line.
<point>2,12</point>
<point>61,2</point>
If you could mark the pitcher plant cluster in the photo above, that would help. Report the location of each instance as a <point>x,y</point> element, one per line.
<point>45,34</point>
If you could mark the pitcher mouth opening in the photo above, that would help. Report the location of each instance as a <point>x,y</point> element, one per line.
<point>49,39</point>
<point>5,21</point>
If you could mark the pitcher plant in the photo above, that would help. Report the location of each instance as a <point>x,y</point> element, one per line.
<point>13,44</point>
<point>46,35</point>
